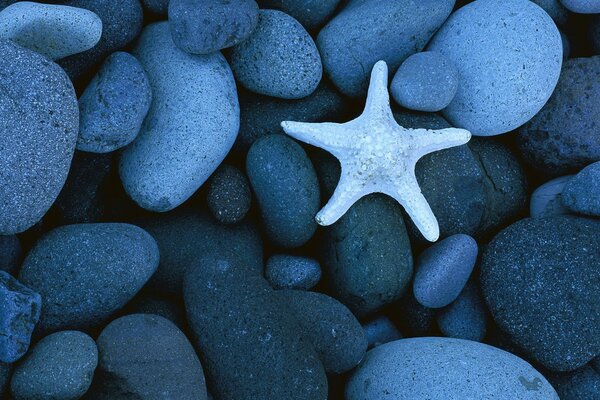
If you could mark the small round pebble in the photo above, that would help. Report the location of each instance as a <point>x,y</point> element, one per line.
<point>285,184</point>
<point>546,200</point>
<point>380,330</point>
<point>229,196</point>
<point>582,193</point>
<point>55,31</point>
<point>292,272</point>
<point>443,269</point>
<point>206,26</point>
<point>279,58</point>
<point>466,317</point>
<point>60,366</point>
<point>582,6</point>
<point>10,253</point>
<point>425,81</point>
<point>114,105</point>
<point>312,14</point>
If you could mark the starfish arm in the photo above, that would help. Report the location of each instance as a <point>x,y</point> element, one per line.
<point>347,192</point>
<point>326,135</point>
<point>427,141</point>
<point>378,98</point>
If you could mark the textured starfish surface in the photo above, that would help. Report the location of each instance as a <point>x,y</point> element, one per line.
<point>377,155</point>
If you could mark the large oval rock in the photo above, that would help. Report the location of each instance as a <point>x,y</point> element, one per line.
<point>144,356</point>
<point>442,368</point>
<point>508,54</point>
<point>286,188</point>
<point>86,272</point>
<point>539,278</point>
<point>366,31</point>
<point>250,344</point>
<point>191,125</point>
<point>39,121</point>
<point>564,137</point>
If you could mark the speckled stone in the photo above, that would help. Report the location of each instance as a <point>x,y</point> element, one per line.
<point>292,272</point>
<point>582,193</point>
<point>312,14</point>
<point>279,58</point>
<point>581,384</point>
<point>582,6</point>
<point>229,196</point>
<point>527,41</point>
<point>251,345</point>
<point>191,125</point>
<point>121,24</point>
<point>534,274</point>
<point>443,368</point>
<point>466,317</point>
<point>333,330</point>
<point>157,305</point>
<point>414,319</point>
<point>60,366</point>
<point>564,137</point>
<point>367,31</point>
<point>38,127</point>
<point>380,330</point>
<point>206,26</point>
<point>10,253</point>
<point>425,81</point>
<point>285,184</point>
<point>86,272</point>
<point>114,105</point>
<point>5,369</point>
<point>20,309</point>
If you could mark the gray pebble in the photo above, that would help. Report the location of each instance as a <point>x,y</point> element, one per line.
<point>380,330</point>
<point>466,317</point>
<point>582,6</point>
<point>292,272</point>
<point>312,14</point>
<point>229,196</point>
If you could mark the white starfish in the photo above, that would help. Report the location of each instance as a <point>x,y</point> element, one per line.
<point>378,155</point>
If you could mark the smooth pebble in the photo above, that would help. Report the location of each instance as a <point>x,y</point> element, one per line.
<point>292,272</point>
<point>581,194</point>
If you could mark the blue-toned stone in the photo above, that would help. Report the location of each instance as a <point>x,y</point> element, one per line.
<point>414,318</point>
<point>332,329</point>
<point>475,37</point>
<point>206,26</point>
<point>443,269</point>
<point>546,200</point>
<point>157,305</point>
<point>425,81</point>
<point>159,7</point>
<point>114,105</point>
<point>5,369</point>
<point>191,125</point>
<point>229,196</point>
<point>86,272</point>
<point>534,274</point>
<point>55,31</point>
<point>20,310</point>
<point>285,184</point>
<point>380,330</point>
<point>444,368</point>
<point>10,253</point>
<point>564,137</point>
<point>466,317</point>
<point>312,14</point>
<point>279,58</point>
<point>555,10</point>
<point>582,6</point>
<point>582,193</point>
<point>292,272</point>
<point>581,384</point>
<point>60,366</point>
<point>38,128</point>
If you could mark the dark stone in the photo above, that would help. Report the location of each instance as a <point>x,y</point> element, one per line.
<point>10,254</point>
<point>292,272</point>
<point>229,196</point>
<point>380,330</point>
<point>311,14</point>
<point>161,306</point>
<point>581,384</point>
<point>581,194</point>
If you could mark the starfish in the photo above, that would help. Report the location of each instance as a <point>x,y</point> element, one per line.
<point>377,155</point>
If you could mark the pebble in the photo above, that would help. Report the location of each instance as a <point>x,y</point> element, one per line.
<point>20,309</point>
<point>11,254</point>
<point>206,26</point>
<point>443,270</point>
<point>279,58</point>
<point>367,31</point>
<point>86,272</point>
<point>466,317</point>
<point>555,10</point>
<point>5,369</point>
<point>191,125</point>
<point>444,368</point>
<point>114,105</point>
<point>312,14</point>
<point>582,384</point>
<point>229,196</point>
<point>582,193</point>
<point>186,234</point>
<point>55,31</point>
<point>563,137</point>
<point>425,81</point>
<point>546,200</point>
<point>252,346</point>
<point>144,356</point>
<point>38,127</point>
<point>60,366</point>
<point>285,184</point>
<point>121,24</point>
<point>380,330</point>
<point>475,37</point>
<point>159,7</point>
<point>161,306</point>
<point>366,255</point>
<point>582,6</point>
<point>415,319</point>
<point>534,274</point>
<point>292,272</point>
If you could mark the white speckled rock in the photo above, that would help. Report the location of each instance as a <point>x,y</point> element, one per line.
<point>55,31</point>
<point>546,200</point>
<point>509,56</point>
<point>192,123</point>
<point>443,368</point>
